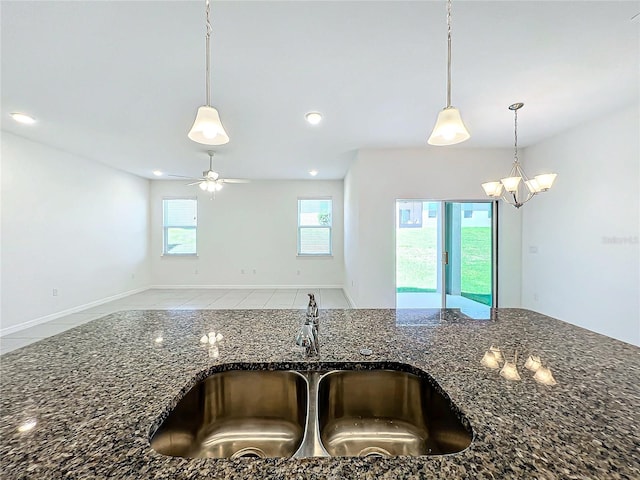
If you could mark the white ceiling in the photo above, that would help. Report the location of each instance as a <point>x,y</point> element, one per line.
<point>119,82</point>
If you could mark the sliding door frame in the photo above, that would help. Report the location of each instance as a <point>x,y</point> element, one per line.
<point>444,253</point>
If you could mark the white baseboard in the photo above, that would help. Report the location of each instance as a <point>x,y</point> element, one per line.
<point>245,287</point>
<point>79,308</point>
<point>352,304</point>
<point>69,311</point>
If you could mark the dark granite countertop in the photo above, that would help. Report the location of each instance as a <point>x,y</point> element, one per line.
<point>96,391</point>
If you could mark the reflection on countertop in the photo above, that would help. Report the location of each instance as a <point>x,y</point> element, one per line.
<point>82,404</point>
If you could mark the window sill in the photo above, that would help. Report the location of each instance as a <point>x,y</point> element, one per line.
<point>179,255</point>
<point>314,255</point>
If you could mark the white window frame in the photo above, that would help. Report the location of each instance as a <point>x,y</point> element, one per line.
<point>165,229</point>
<point>330,227</point>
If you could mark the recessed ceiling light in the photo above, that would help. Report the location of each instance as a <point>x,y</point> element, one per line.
<point>314,118</point>
<point>313,173</point>
<point>157,173</point>
<point>23,118</point>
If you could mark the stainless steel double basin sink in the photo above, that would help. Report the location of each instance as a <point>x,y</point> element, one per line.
<point>253,412</point>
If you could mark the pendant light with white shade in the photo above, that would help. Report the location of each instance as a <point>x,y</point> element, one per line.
<point>207,127</point>
<point>517,189</point>
<point>449,128</point>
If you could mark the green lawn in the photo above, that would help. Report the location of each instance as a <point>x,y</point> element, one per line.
<point>476,260</point>
<point>417,259</point>
<point>181,240</point>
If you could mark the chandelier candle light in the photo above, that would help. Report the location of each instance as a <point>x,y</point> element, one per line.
<point>517,189</point>
<point>449,128</point>
<point>493,357</point>
<point>207,127</point>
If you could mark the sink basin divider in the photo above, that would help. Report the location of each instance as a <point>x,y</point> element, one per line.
<point>311,445</point>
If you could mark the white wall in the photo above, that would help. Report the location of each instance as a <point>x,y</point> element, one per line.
<point>351,234</point>
<point>248,227</point>
<point>585,229</point>
<point>378,177</point>
<point>69,224</point>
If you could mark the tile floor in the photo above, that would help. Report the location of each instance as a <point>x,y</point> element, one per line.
<point>469,307</point>
<point>180,299</point>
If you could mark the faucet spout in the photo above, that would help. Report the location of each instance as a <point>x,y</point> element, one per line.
<point>312,308</point>
<point>308,335</point>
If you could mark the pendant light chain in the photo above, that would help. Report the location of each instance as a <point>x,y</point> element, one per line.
<point>448,53</point>
<point>208,53</point>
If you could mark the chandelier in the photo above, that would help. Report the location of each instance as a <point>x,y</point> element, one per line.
<point>449,128</point>
<point>207,127</point>
<point>517,189</point>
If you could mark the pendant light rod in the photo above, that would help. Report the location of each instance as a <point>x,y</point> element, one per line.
<point>449,128</point>
<point>208,52</point>
<point>207,128</point>
<point>448,53</point>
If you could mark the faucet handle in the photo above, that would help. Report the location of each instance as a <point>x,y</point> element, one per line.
<point>308,338</point>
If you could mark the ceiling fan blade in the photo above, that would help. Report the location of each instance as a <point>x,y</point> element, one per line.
<point>234,180</point>
<point>194,183</point>
<point>181,176</point>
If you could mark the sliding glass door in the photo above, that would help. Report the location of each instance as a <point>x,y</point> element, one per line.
<point>419,237</point>
<point>445,255</point>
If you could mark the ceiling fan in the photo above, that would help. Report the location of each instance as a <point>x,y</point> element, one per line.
<point>210,180</point>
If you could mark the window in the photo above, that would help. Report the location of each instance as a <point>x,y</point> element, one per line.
<point>409,214</point>
<point>179,225</point>
<point>314,226</point>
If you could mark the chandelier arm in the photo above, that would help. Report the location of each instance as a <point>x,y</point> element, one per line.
<point>448,53</point>
<point>208,53</point>
<point>520,172</point>
<point>510,198</point>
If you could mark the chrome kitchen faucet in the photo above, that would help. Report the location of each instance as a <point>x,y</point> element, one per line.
<point>308,335</point>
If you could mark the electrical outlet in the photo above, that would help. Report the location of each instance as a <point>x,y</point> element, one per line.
<point>254,271</point>
<point>242,271</point>
<point>55,292</point>
<point>297,272</point>
<point>535,297</point>
<point>533,249</point>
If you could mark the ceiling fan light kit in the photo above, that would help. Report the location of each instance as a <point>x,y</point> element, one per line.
<point>449,128</point>
<point>211,181</point>
<point>207,127</point>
